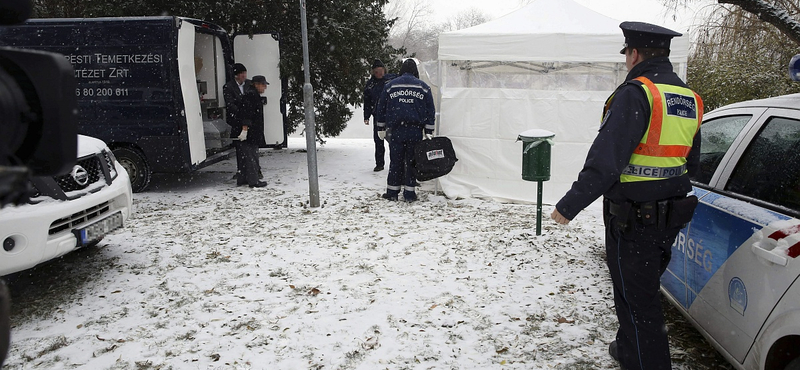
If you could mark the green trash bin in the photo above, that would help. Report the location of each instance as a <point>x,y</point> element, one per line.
<point>536,146</point>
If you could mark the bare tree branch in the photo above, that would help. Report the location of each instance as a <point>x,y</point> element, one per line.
<point>770,14</point>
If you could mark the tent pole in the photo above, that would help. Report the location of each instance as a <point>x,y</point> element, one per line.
<point>439,112</point>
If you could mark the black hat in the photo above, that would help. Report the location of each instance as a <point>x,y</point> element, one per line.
<point>377,63</point>
<point>646,35</point>
<point>260,79</point>
<point>239,68</point>
<point>409,66</point>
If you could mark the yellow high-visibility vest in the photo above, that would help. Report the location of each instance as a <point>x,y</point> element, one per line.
<point>675,117</point>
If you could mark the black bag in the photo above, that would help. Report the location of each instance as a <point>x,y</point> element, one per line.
<point>434,158</point>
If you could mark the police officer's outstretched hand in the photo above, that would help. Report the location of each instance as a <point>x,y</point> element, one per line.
<point>558,217</point>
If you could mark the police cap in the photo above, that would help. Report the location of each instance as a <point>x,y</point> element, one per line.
<point>646,35</point>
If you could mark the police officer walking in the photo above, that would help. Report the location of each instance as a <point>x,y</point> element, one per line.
<point>372,92</point>
<point>404,110</point>
<point>640,162</point>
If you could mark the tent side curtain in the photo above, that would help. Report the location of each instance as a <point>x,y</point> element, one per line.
<point>483,125</point>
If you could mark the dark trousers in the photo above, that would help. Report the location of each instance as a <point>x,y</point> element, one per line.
<point>247,162</point>
<point>380,148</point>
<point>401,159</point>
<point>637,256</point>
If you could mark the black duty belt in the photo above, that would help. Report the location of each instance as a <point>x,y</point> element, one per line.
<point>668,213</point>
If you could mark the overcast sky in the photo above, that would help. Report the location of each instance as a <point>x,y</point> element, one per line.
<point>651,11</point>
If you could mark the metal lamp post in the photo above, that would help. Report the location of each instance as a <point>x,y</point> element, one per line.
<point>308,105</point>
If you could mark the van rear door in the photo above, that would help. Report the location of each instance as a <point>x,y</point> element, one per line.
<point>191,97</point>
<point>261,55</point>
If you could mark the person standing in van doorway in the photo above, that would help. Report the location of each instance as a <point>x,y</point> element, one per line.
<point>253,118</point>
<point>372,92</point>
<point>233,92</point>
<point>647,146</point>
<point>405,109</point>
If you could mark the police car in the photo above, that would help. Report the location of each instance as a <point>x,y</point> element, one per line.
<point>735,268</point>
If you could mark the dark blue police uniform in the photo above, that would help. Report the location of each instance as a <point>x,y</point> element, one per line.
<point>404,110</point>
<point>638,247</point>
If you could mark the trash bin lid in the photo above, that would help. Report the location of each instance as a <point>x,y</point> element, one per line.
<point>535,134</point>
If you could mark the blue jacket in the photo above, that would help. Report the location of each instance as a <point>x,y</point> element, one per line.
<point>408,100</point>
<point>372,92</point>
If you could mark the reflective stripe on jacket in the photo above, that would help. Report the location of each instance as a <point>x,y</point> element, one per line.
<point>675,116</point>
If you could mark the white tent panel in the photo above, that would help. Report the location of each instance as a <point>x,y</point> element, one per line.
<point>545,30</point>
<point>579,48</point>
<point>484,123</point>
<point>550,65</point>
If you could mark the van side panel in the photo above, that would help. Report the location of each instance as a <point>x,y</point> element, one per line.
<point>127,85</point>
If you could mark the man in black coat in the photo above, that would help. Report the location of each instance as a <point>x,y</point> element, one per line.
<point>372,92</point>
<point>240,117</point>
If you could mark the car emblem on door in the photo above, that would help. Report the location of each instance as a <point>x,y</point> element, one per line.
<point>80,175</point>
<point>737,293</point>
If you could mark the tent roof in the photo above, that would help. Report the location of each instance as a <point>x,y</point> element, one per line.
<point>544,31</point>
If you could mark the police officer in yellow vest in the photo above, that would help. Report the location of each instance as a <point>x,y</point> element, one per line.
<point>640,162</point>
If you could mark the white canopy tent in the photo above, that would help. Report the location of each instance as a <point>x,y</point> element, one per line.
<point>550,65</point>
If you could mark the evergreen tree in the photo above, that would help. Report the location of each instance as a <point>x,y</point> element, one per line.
<point>344,37</point>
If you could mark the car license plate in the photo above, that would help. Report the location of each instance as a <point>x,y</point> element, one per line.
<point>99,229</point>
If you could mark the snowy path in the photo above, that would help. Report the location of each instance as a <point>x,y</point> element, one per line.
<point>210,276</point>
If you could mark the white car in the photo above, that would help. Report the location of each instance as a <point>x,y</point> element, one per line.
<point>66,212</point>
<point>734,270</point>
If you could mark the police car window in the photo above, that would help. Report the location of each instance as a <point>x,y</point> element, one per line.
<point>770,167</point>
<point>716,137</point>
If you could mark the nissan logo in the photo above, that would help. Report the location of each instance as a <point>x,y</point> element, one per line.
<point>80,175</point>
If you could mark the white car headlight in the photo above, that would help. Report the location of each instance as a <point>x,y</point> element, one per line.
<point>110,161</point>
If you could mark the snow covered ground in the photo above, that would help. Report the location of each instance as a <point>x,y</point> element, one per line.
<point>208,275</point>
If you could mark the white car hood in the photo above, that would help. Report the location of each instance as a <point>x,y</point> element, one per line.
<point>88,145</point>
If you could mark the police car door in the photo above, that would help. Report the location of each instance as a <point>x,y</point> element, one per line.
<point>734,253</point>
<point>261,56</point>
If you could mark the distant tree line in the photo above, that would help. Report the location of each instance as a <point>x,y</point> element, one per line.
<point>417,32</point>
<point>344,37</point>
